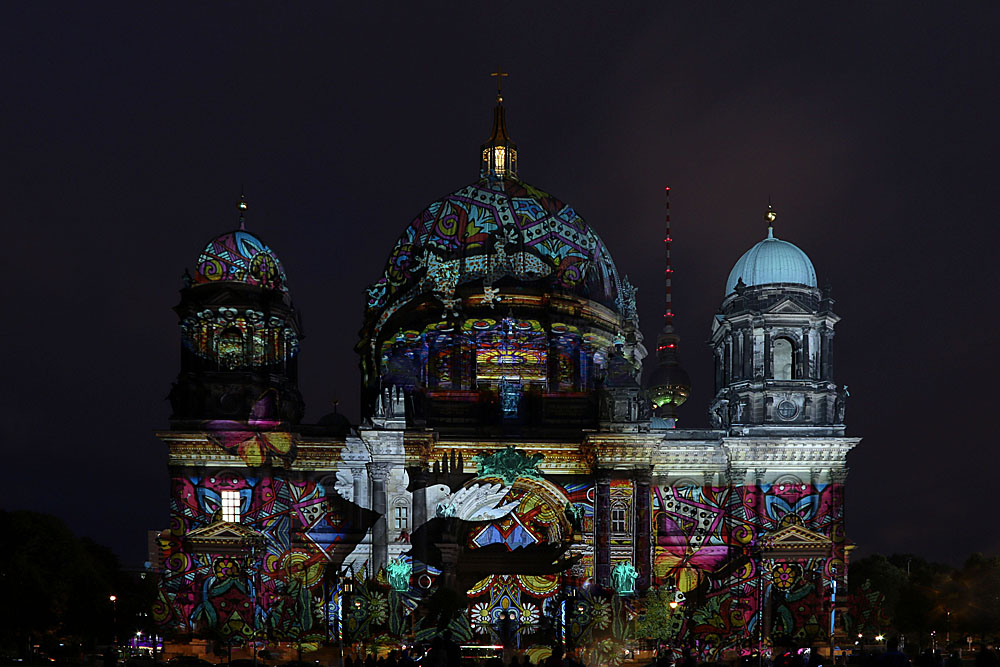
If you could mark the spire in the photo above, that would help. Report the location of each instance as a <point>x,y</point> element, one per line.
<point>499,153</point>
<point>242,206</point>
<point>669,385</point>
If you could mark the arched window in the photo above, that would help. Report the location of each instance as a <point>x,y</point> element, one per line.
<point>783,366</point>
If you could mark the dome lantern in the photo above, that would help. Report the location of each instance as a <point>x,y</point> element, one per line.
<point>499,153</point>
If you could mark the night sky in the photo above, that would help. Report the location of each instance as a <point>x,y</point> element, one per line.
<point>128,130</point>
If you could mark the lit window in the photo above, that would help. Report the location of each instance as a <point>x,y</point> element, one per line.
<point>231,506</point>
<point>402,517</point>
<point>500,159</point>
<point>619,519</point>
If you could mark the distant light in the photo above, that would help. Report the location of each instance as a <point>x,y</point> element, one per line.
<point>113,598</point>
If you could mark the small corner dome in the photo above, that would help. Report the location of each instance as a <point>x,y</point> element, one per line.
<point>239,257</point>
<point>772,261</point>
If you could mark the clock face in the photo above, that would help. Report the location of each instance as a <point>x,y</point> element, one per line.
<point>787,410</point>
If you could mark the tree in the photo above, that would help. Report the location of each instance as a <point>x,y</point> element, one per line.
<point>978,595</point>
<point>660,621</point>
<point>55,585</point>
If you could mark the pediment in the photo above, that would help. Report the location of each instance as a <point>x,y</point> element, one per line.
<point>223,536</point>
<point>795,541</point>
<point>787,306</point>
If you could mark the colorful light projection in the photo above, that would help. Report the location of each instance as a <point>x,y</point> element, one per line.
<point>279,587</point>
<point>539,518</point>
<point>706,547</point>
<point>513,350</point>
<point>239,338</point>
<point>478,351</point>
<point>489,230</point>
<point>240,257</point>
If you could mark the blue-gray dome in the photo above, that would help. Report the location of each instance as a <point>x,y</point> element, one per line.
<point>772,261</point>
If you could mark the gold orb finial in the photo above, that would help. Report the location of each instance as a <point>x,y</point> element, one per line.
<point>770,215</point>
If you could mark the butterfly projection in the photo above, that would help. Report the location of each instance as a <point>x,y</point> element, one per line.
<point>257,439</point>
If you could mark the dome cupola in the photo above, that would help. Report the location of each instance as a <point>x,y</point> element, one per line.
<point>772,341</point>
<point>498,299</point>
<point>772,261</point>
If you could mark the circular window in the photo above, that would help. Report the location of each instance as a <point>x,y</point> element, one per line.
<point>787,410</point>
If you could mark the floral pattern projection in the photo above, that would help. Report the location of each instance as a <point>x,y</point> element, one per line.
<point>546,513</point>
<point>489,230</point>
<point>280,589</point>
<point>707,541</point>
<point>240,257</point>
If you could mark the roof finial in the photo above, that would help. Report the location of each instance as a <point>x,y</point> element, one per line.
<point>242,206</point>
<point>770,215</point>
<point>499,74</point>
<point>499,153</point>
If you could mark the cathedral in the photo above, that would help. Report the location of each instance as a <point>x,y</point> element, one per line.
<point>514,478</point>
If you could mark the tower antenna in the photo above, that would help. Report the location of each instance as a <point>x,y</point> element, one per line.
<point>669,385</point>
<point>242,206</point>
<point>668,315</point>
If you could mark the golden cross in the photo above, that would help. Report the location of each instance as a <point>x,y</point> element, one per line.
<point>499,74</point>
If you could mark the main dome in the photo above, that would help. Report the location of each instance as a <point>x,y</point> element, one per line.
<point>491,230</point>
<point>772,261</point>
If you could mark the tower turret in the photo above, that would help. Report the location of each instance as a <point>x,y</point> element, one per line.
<point>772,341</point>
<point>239,335</point>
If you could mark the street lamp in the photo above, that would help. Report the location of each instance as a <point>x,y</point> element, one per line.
<point>114,618</point>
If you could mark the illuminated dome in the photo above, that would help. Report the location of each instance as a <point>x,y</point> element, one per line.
<point>772,261</point>
<point>239,257</point>
<point>495,230</point>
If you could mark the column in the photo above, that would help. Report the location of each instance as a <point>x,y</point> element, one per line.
<point>358,477</point>
<point>642,502</point>
<point>768,373</point>
<point>379,473</point>
<point>826,353</point>
<point>727,367</point>
<point>602,528</point>
<point>747,354</point>
<point>806,352</point>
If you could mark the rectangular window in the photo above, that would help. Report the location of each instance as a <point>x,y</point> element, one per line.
<point>619,520</point>
<point>231,506</point>
<point>402,517</point>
